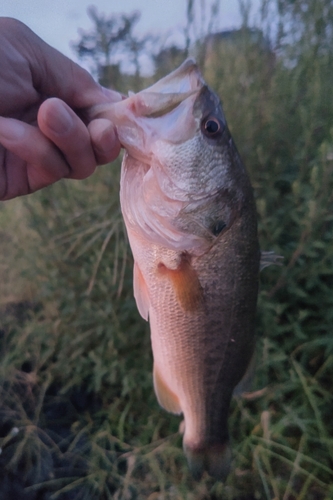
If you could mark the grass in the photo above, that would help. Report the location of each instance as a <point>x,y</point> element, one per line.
<point>78,417</point>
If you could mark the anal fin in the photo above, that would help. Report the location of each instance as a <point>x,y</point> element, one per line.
<point>167,399</point>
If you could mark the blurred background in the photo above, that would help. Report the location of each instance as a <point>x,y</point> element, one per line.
<point>78,416</point>
<point>58,22</point>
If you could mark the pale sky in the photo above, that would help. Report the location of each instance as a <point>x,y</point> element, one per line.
<point>57,21</point>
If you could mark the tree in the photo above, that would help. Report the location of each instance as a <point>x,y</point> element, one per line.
<point>112,46</point>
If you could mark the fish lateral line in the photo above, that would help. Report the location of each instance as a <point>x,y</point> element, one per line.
<point>185,283</point>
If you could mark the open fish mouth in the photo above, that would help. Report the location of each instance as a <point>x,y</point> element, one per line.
<point>139,115</point>
<point>166,94</point>
<point>160,98</point>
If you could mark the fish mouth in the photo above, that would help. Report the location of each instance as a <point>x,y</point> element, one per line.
<point>168,92</point>
<point>138,116</point>
<point>153,105</point>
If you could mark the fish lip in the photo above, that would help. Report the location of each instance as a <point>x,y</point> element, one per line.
<point>177,86</point>
<point>176,81</point>
<point>150,104</point>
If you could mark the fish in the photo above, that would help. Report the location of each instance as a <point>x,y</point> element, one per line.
<point>190,214</point>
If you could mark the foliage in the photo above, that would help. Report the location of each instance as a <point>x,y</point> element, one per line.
<point>78,415</point>
<point>112,46</point>
<point>199,24</point>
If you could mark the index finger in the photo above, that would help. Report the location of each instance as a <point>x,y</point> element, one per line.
<point>55,75</point>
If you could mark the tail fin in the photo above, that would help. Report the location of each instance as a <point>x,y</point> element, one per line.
<point>215,459</point>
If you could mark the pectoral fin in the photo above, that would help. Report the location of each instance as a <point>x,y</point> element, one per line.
<point>270,258</point>
<point>140,292</point>
<point>186,284</point>
<point>167,399</point>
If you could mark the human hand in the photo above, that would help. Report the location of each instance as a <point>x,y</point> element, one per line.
<point>45,131</point>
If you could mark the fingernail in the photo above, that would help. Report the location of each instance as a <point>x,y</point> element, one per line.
<point>60,121</point>
<point>11,129</point>
<point>106,141</point>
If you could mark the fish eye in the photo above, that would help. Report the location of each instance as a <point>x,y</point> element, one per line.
<point>211,126</point>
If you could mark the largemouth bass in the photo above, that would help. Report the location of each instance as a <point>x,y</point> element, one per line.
<point>191,220</point>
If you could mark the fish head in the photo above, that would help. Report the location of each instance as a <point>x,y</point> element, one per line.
<point>177,127</point>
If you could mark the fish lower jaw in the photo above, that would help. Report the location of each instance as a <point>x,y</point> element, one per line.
<point>215,459</point>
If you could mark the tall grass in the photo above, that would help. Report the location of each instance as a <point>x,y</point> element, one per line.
<point>78,415</point>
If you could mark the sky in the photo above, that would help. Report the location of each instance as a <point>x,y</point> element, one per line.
<point>58,21</point>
